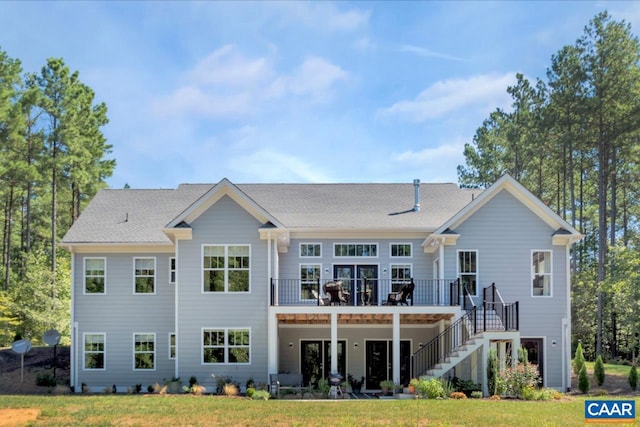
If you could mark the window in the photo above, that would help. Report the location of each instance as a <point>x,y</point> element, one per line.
<point>541,273</point>
<point>94,349</point>
<point>310,250</point>
<point>401,250</point>
<point>309,276</point>
<point>172,270</point>
<point>144,351</point>
<point>230,346</point>
<point>145,275</point>
<point>94,275</point>
<point>400,276</point>
<point>355,250</point>
<point>468,270</point>
<point>226,268</point>
<point>172,345</point>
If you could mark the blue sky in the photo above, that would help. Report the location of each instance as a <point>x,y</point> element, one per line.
<point>295,91</point>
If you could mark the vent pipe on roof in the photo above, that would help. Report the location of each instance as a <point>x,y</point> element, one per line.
<point>416,187</point>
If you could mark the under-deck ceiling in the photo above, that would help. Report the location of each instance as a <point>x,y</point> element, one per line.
<point>359,319</point>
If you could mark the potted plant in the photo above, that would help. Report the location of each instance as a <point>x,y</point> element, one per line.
<point>387,387</point>
<point>174,385</point>
<point>356,385</point>
<point>413,384</point>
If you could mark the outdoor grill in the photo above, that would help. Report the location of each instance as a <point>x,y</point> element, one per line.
<point>335,379</point>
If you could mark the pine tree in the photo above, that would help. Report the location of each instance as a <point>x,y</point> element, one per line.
<point>598,371</point>
<point>583,380</point>
<point>578,359</point>
<point>633,378</point>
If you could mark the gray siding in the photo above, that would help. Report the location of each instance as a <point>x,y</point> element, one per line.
<point>119,314</point>
<point>223,223</point>
<point>504,232</point>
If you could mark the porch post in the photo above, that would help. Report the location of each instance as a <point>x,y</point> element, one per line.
<point>485,363</point>
<point>441,273</point>
<point>334,343</point>
<point>396,348</point>
<point>272,344</point>
<point>515,345</point>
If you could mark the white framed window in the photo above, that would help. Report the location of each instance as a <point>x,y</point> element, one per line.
<point>172,345</point>
<point>172,270</point>
<point>309,276</point>
<point>226,268</point>
<point>95,275</point>
<point>226,346</point>
<point>541,277</point>
<point>401,250</point>
<point>94,350</point>
<point>356,250</point>
<point>144,351</point>
<point>468,270</point>
<point>144,275</point>
<point>400,275</point>
<point>310,250</point>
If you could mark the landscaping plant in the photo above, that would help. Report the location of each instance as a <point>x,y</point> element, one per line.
<point>633,378</point>
<point>598,371</point>
<point>583,380</point>
<point>578,359</point>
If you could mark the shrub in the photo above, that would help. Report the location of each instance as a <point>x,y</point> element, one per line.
<point>45,379</point>
<point>583,380</point>
<point>261,395</point>
<point>476,394</point>
<point>529,393</point>
<point>598,371</point>
<point>230,390</point>
<point>192,381</point>
<point>578,359</point>
<point>492,372</point>
<point>323,386</point>
<point>633,378</point>
<point>431,389</point>
<point>547,394</point>
<point>517,379</point>
<point>250,391</point>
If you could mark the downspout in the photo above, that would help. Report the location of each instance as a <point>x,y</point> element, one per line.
<point>566,341</point>
<point>176,370</point>
<point>74,333</point>
<point>441,272</point>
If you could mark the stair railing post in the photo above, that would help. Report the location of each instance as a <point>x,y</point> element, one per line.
<point>318,290</point>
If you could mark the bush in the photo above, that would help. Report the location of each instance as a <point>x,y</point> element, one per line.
<point>598,371</point>
<point>230,390</point>
<point>323,386</point>
<point>633,378</point>
<point>45,379</point>
<point>431,389</point>
<point>578,359</point>
<point>458,395</point>
<point>492,372</point>
<point>250,391</point>
<point>519,378</point>
<point>476,394</point>
<point>261,395</point>
<point>583,380</point>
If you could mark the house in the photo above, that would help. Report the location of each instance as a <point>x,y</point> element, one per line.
<point>381,281</point>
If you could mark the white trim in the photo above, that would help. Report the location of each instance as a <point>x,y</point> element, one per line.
<point>226,269</point>
<point>172,270</point>
<point>225,347</point>
<point>84,275</point>
<point>155,275</point>
<point>309,256</point>
<point>550,274</point>
<point>104,351</point>
<point>154,353</point>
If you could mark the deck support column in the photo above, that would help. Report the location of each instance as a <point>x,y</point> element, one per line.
<point>396,348</point>
<point>272,344</point>
<point>334,343</point>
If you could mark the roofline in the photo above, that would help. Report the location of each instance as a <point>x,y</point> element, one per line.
<point>110,247</point>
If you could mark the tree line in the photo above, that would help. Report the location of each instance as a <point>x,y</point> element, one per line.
<point>572,139</point>
<point>53,159</point>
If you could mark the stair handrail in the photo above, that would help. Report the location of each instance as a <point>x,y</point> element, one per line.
<point>508,313</point>
<point>440,347</point>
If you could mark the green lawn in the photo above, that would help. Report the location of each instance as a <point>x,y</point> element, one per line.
<point>182,410</point>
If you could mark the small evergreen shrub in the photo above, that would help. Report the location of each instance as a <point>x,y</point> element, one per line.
<point>492,372</point>
<point>598,371</point>
<point>633,378</point>
<point>261,395</point>
<point>250,392</point>
<point>45,379</point>
<point>476,394</point>
<point>431,389</point>
<point>583,380</point>
<point>578,359</point>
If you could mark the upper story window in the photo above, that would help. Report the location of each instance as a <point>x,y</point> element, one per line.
<point>94,275</point>
<point>311,250</point>
<point>400,276</point>
<point>309,279</point>
<point>144,275</point>
<point>541,273</point>
<point>468,270</point>
<point>355,249</point>
<point>144,351</point>
<point>401,250</point>
<point>94,351</point>
<point>229,346</point>
<point>226,268</point>
<point>172,270</point>
<point>172,345</point>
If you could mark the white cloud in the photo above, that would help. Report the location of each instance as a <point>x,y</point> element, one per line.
<point>226,66</point>
<point>267,165</point>
<point>323,16</point>
<point>314,77</point>
<point>428,53</point>
<point>446,96</point>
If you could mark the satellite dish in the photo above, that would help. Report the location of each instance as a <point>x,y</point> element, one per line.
<point>51,337</point>
<point>21,346</point>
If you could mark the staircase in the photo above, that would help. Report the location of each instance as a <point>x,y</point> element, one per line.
<point>465,335</point>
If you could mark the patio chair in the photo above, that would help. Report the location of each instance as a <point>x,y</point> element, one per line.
<point>406,292</point>
<point>335,292</point>
<point>321,300</point>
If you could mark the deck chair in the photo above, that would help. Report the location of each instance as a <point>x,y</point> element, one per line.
<point>406,292</point>
<point>321,300</point>
<point>334,290</point>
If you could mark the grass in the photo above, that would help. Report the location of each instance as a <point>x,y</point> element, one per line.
<point>611,369</point>
<point>180,410</point>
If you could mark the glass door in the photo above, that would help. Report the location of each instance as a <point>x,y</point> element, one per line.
<point>353,277</point>
<point>315,360</point>
<point>379,362</point>
<point>534,352</point>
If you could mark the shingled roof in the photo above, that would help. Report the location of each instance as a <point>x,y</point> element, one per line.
<point>139,216</point>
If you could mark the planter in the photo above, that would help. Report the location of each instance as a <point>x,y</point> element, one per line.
<point>174,387</point>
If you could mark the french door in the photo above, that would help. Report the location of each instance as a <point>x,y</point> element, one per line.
<point>534,347</point>
<point>315,360</point>
<point>379,362</point>
<point>353,275</point>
